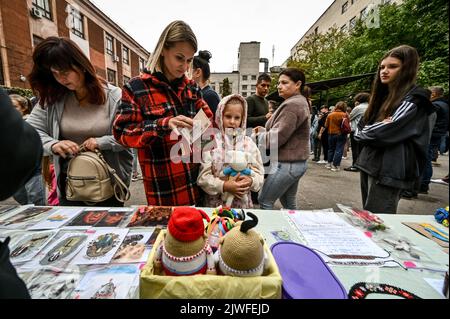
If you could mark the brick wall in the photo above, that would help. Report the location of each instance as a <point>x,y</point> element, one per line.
<point>63,30</point>
<point>119,64</point>
<point>16,29</point>
<point>134,63</point>
<point>97,48</point>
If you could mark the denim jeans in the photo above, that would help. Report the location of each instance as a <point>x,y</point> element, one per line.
<point>336,146</point>
<point>135,160</point>
<point>282,184</point>
<point>428,171</point>
<point>33,192</point>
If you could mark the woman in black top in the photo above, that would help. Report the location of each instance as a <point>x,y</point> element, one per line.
<point>201,76</point>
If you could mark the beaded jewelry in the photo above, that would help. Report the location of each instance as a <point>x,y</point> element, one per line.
<point>361,290</point>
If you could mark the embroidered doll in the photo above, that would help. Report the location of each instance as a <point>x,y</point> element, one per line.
<point>185,250</point>
<point>241,251</point>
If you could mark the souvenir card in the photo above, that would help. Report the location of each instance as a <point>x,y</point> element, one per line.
<point>25,218</point>
<point>88,218</point>
<point>50,284</point>
<point>101,246</point>
<point>29,245</point>
<point>7,208</point>
<point>63,250</point>
<point>134,248</point>
<point>57,219</point>
<point>113,282</point>
<point>152,239</point>
<point>112,219</point>
<point>281,235</point>
<point>151,216</point>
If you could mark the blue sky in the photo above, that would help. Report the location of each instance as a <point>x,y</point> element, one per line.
<point>220,25</point>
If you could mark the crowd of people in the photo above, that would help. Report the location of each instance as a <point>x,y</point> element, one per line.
<point>395,132</point>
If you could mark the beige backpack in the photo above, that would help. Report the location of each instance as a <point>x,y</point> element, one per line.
<point>91,180</point>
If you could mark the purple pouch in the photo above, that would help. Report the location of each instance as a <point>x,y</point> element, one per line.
<point>305,274</point>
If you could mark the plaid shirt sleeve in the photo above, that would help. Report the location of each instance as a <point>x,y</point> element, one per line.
<point>131,129</point>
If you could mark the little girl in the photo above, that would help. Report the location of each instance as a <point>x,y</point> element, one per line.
<point>230,144</point>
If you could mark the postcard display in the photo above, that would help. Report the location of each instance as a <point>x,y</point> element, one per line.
<point>85,252</point>
<point>81,253</point>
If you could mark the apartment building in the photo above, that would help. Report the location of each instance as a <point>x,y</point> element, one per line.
<point>243,80</point>
<point>341,14</point>
<point>116,56</point>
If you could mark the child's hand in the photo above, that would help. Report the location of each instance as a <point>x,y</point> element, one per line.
<point>247,179</point>
<point>236,187</point>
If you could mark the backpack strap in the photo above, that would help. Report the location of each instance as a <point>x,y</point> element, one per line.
<point>121,191</point>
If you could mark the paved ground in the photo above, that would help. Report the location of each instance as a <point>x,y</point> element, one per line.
<point>322,188</point>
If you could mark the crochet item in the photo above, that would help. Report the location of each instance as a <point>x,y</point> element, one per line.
<point>222,221</point>
<point>185,250</point>
<point>238,165</point>
<point>241,251</point>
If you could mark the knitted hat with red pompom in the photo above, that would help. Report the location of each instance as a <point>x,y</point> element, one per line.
<point>186,231</point>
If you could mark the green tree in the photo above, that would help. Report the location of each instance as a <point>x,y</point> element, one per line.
<point>226,88</point>
<point>422,24</point>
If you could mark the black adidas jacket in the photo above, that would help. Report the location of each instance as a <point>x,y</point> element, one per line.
<point>395,153</point>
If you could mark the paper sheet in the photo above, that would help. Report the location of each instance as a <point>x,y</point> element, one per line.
<point>337,241</point>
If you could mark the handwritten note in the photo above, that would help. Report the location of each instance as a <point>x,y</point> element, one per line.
<point>334,238</point>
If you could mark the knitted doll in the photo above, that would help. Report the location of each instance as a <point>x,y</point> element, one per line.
<point>241,251</point>
<point>238,164</point>
<point>185,250</point>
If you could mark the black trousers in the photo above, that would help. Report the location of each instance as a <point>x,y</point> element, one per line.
<point>377,198</point>
<point>324,141</point>
<point>355,148</point>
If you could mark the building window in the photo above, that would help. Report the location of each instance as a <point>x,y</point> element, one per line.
<point>36,40</point>
<point>344,7</point>
<point>253,77</point>
<point>77,23</point>
<point>141,65</point>
<point>44,7</point>
<point>253,87</point>
<point>363,14</point>
<point>126,55</point>
<point>344,28</point>
<point>244,87</point>
<point>126,79</point>
<point>244,94</point>
<point>244,78</point>
<point>352,23</point>
<point>112,76</point>
<point>109,44</point>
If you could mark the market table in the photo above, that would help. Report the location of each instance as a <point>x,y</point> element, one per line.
<point>412,280</point>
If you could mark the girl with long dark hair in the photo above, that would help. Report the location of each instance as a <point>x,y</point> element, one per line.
<point>394,132</point>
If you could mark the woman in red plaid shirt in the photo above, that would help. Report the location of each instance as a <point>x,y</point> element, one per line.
<point>155,103</point>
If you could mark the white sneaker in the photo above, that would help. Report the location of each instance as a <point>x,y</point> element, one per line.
<point>328,166</point>
<point>322,162</point>
<point>344,157</point>
<point>335,169</point>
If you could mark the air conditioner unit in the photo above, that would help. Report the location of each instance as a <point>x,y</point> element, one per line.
<point>116,58</point>
<point>36,13</point>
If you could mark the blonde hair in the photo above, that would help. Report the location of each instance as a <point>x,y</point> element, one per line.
<point>176,31</point>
